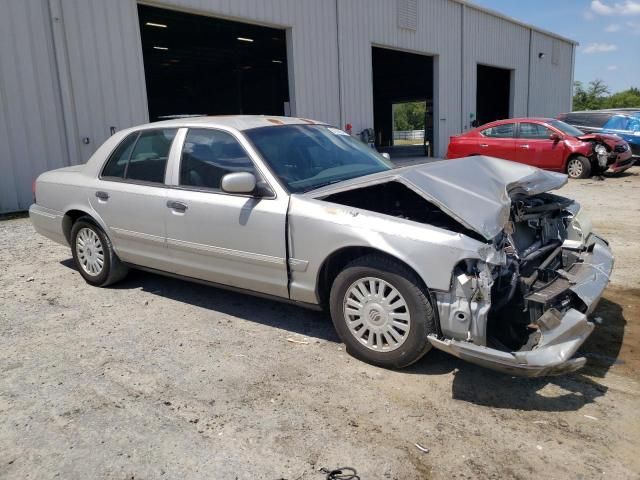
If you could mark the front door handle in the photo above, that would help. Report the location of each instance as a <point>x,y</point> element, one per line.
<point>524,146</point>
<point>177,206</point>
<point>102,195</point>
<point>484,145</point>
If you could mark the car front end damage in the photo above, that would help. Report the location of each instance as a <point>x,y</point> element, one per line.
<point>608,152</point>
<point>524,311</point>
<point>518,271</point>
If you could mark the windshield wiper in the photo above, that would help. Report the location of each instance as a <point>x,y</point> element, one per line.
<point>320,185</point>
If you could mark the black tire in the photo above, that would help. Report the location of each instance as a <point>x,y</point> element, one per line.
<point>112,271</point>
<point>582,167</point>
<point>405,281</point>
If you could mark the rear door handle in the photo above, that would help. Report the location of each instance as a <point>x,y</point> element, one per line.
<point>524,146</point>
<point>177,206</point>
<point>484,145</point>
<point>102,195</point>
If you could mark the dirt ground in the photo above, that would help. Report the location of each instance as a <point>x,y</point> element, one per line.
<point>159,378</point>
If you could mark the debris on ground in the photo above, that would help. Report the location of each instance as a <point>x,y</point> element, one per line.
<point>421,448</point>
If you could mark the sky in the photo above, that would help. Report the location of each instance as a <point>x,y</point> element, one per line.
<point>608,32</point>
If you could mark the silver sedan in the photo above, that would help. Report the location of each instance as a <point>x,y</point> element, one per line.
<point>472,256</point>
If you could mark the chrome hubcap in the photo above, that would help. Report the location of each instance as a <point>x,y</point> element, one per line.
<point>377,314</point>
<point>574,169</point>
<point>89,251</point>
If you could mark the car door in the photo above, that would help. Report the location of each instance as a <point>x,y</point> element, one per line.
<point>498,141</point>
<point>534,146</point>
<point>231,239</point>
<point>130,196</point>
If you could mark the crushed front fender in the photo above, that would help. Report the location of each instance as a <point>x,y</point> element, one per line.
<point>560,333</point>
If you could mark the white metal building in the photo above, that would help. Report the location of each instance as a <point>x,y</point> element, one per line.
<point>73,71</point>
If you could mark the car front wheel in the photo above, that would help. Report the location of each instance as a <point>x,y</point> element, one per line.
<point>382,312</point>
<point>579,167</point>
<point>93,254</point>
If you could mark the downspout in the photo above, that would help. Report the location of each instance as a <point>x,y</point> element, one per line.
<point>573,67</point>
<point>340,109</point>
<point>529,70</point>
<point>462,96</point>
<point>63,74</point>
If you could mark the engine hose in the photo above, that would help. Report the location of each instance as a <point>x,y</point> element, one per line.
<point>540,251</point>
<point>513,284</point>
<point>532,248</point>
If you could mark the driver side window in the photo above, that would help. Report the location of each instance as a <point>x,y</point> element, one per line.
<point>208,155</point>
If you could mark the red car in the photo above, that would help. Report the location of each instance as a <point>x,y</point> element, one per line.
<point>544,143</point>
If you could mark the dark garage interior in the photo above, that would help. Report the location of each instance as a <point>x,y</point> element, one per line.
<point>400,77</point>
<point>493,94</point>
<point>200,65</point>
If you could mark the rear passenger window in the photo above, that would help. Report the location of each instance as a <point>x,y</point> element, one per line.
<point>149,157</point>
<point>534,131</point>
<point>499,131</point>
<point>208,155</point>
<point>141,156</point>
<point>118,160</point>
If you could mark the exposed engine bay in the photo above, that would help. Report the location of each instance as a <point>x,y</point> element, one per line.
<point>535,278</point>
<point>502,307</point>
<point>397,200</point>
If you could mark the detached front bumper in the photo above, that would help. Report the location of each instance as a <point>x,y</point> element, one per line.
<point>561,334</point>
<point>622,163</point>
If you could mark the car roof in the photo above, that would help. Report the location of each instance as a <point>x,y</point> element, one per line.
<point>514,120</point>
<point>237,122</point>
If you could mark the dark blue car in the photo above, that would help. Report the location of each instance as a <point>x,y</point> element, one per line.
<point>624,123</point>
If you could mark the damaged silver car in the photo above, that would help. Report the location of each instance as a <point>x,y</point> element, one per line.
<point>474,257</point>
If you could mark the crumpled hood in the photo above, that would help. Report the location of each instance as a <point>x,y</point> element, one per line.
<point>473,190</point>
<point>609,139</point>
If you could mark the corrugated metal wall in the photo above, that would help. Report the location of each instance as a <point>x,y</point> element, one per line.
<point>311,26</point>
<point>490,40</point>
<point>99,50</point>
<point>364,23</point>
<point>31,126</point>
<point>550,85</point>
<point>71,69</point>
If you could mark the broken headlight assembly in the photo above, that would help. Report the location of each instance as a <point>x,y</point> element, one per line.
<point>602,154</point>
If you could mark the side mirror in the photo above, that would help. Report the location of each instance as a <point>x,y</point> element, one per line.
<point>239,182</point>
<point>555,137</point>
<point>386,155</point>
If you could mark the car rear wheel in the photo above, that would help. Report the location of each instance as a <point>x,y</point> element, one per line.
<point>382,312</point>
<point>579,167</point>
<point>93,254</point>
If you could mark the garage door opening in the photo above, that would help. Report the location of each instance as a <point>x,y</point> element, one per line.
<point>402,102</point>
<point>199,65</point>
<point>493,94</point>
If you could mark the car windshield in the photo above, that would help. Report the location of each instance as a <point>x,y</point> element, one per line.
<point>566,128</point>
<point>306,157</point>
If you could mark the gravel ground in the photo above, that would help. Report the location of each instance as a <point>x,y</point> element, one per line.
<point>159,378</point>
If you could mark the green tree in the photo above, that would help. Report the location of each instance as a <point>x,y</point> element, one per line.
<point>591,98</point>
<point>626,98</point>
<point>597,96</point>
<point>409,116</point>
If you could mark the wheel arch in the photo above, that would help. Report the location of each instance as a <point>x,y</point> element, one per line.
<point>335,262</point>
<point>72,214</point>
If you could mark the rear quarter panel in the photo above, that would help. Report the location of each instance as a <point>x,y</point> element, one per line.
<point>58,192</point>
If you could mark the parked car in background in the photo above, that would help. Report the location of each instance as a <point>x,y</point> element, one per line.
<point>472,257</point>
<point>624,123</point>
<point>544,143</point>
